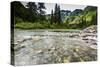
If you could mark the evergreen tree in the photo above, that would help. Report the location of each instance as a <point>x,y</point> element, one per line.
<point>82,22</point>
<point>32,7</point>
<point>56,13</point>
<point>59,15</point>
<point>20,12</point>
<point>52,17</point>
<point>41,6</point>
<point>94,19</point>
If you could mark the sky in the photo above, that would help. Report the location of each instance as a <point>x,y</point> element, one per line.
<point>50,6</point>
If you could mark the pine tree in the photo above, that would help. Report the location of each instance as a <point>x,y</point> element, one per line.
<point>32,7</point>
<point>52,17</point>
<point>56,14</point>
<point>41,6</point>
<point>59,15</point>
<point>20,12</point>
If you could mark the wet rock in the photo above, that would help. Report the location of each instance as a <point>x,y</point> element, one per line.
<point>66,59</point>
<point>91,29</point>
<point>39,51</point>
<point>36,38</point>
<point>18,48</point>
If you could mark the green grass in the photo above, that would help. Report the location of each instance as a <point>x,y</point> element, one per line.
<point>36,25</point>
<point>45,25</point>
<point>28,25</point>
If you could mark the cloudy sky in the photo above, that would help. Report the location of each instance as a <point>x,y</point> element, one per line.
<point>50,6</point>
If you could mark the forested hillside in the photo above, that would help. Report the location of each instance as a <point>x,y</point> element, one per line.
<point>33,16</point>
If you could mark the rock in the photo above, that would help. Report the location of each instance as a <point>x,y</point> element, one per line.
<point>91,29</point>
<point>39,51</point>
<point>36,38</point>
<point>66,59</point>
<point>93,46</point>
<point>18,48</point>
<point>84,38</point>
<point>94,43</point>
<point>27,37</point>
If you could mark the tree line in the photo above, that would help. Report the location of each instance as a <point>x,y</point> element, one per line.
<point>31,12</point>
<point>56,15</point>
<point>35,13</point>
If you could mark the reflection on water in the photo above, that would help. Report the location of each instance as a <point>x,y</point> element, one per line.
<point>47,47</point>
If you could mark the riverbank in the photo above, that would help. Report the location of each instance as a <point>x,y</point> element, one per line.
<point>29,25</point>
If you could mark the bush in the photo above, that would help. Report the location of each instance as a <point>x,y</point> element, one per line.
<point>17,20</point>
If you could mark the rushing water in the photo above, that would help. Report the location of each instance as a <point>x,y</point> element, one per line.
<point>47,47</point>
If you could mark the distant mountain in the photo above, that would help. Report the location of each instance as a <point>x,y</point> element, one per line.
<point>65,13</point>
<point>84,18</point>
<point>76,12</point>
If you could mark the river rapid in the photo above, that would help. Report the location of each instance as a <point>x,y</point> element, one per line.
<point>53,46</point>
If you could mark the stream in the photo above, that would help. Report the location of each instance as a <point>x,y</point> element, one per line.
<point>53,46</point>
